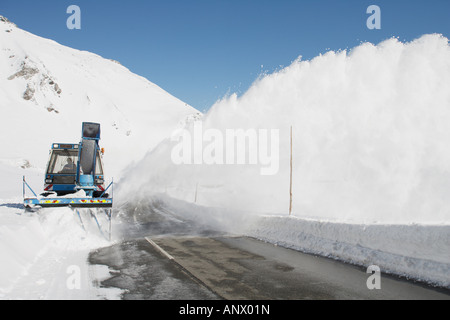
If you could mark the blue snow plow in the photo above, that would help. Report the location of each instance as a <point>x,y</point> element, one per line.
<point>74,175</point>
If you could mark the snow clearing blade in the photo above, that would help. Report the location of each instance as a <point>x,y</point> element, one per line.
<point>65,201</point>
<point>92,208</point>
<point>68,202</point>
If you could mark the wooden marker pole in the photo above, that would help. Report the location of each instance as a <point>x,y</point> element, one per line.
<point>290,182</point>
<point>196,188</point>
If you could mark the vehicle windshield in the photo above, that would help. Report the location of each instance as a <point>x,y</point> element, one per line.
<point>63,161</point>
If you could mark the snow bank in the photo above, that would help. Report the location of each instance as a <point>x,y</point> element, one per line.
<point>414,251</point>
<point>19,245</point>
<point>37,252</point>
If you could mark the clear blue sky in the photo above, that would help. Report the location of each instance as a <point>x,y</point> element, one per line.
<point>200,50</point>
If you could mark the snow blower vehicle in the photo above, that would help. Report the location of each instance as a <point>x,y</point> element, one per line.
<point>74,178</point>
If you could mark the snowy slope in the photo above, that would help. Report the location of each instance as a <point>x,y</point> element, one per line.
<point>371,135</point>
<point>47,90</point>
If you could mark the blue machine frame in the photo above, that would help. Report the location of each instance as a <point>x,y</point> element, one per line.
<point>88,182</point>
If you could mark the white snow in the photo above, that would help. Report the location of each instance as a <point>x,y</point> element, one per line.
<point>46,92</point>
<point>45,257</point>
<point>419,252</point>
<point>66,87</point>
<point>371,160</point>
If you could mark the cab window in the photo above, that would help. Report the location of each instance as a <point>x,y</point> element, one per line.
<point>63,162</point>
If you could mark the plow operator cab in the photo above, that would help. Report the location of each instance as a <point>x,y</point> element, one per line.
<point>61,173</point>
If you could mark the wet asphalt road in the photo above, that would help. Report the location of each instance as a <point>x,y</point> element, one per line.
<point>169,259</point>
<point>199,268</point>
